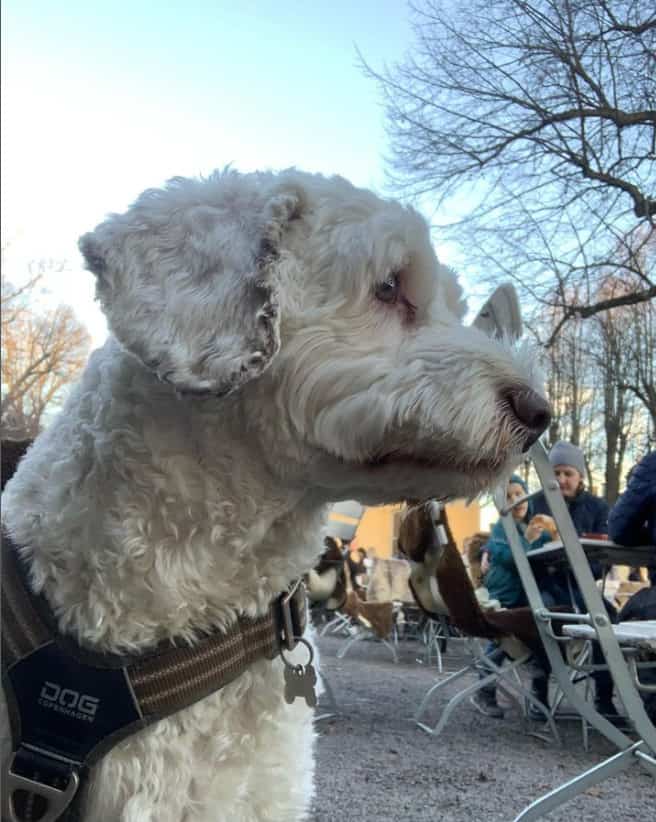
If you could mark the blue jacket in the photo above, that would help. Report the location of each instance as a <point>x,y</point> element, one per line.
<point>632,520</point>
<point>589,515</point>
<point>502,580</point>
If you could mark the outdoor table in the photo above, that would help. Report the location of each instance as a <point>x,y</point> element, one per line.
<point>638,640</point>
<point>604,551</point>
<point>601,550</point>
<point>639,634</point>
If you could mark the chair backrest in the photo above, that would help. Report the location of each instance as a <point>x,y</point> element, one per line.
<point>388,581</point>
<point>442,564</point>
<point>473,546</point>
<point>326,582</point>
<point>594,611</point>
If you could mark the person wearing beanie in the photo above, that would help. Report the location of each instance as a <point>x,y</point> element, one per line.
<point>502,578</point>
<point>588,512</point>
<point>589,515</point>
<point>566,454</point>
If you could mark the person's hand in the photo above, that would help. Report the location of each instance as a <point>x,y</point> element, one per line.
<point>533,531</point>
<point>485,562</point>
<point>540,523</point>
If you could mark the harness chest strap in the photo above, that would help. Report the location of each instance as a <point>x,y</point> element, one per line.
<point>69,706</point>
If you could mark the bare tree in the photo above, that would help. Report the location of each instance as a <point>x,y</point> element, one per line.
<point>640,378</point>
<point>567,385</point>
<point>627,333</point>
<point>597,380</point>
<point>42,352</point>
<point>639,342</point>
<point>609,368</point>
<point>543,113</point>
<point>571,388</point>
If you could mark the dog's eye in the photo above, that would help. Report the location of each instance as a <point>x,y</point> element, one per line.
<point>388,291</point>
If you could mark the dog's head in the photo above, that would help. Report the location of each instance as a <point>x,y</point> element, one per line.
<point>325,307</point>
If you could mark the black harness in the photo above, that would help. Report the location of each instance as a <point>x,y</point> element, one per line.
<point>69,706</point>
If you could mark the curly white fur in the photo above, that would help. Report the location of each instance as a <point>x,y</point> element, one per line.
<point>252,377</point>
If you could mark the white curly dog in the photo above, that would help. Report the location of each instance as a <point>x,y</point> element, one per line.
<point>279,341</point>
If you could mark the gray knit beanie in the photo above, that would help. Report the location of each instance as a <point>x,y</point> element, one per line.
<point>564,453</point>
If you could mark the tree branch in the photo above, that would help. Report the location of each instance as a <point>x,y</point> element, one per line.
<point>603,305</point>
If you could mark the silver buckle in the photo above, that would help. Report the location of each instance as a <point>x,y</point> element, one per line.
<point>57,800</point>
<point>293,599</point>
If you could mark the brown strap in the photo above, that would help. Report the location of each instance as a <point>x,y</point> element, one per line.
<point>23,629</point>
<point>175,678</point>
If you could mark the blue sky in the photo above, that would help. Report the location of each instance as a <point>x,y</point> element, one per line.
<point>101,100</point>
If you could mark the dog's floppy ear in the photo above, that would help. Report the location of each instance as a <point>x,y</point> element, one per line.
<point>186,279</point>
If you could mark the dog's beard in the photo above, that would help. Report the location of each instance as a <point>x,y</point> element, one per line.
<point>374,448</point>
<point>437,449</point>
<point>397,481</point>
<point>436,467</point>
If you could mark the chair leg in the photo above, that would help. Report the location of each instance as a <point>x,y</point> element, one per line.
<point>610,767</point>
<point>392,649</point>
<point>352,640</point>
<point>338,621</point>
<point>363,635</point>
<point>431,642</point>
<point>453,703</point>
<point>438,654</point>
<point>332,702</point>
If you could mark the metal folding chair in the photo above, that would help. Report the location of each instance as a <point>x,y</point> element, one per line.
<point>441,584</point>
<point>505,678</point>
<point>642,750</point>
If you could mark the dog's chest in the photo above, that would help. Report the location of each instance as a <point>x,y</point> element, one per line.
<point>210,757</point>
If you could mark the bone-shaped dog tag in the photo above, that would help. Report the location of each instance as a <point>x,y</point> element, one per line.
<point>300,682</point>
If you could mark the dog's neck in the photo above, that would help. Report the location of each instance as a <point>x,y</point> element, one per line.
<point>152,516</point>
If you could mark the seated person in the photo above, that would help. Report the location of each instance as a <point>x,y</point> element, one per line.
<point>589,515</point>
<point>502,579</point>
<point>358,566</point>
<point>588,512</point>
<point>632,520</point>
<point>473,553</point>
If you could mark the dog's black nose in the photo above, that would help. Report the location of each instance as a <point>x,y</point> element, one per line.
<point>532,410</point>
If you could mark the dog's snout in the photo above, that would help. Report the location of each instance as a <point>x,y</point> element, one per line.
<point>531,410</point>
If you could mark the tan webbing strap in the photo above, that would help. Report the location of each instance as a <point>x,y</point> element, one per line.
<point>175,678</point>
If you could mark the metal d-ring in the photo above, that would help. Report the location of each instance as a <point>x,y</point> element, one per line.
<point>299,668</point>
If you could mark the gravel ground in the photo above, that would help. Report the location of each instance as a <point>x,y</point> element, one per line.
<point>374,763</point>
